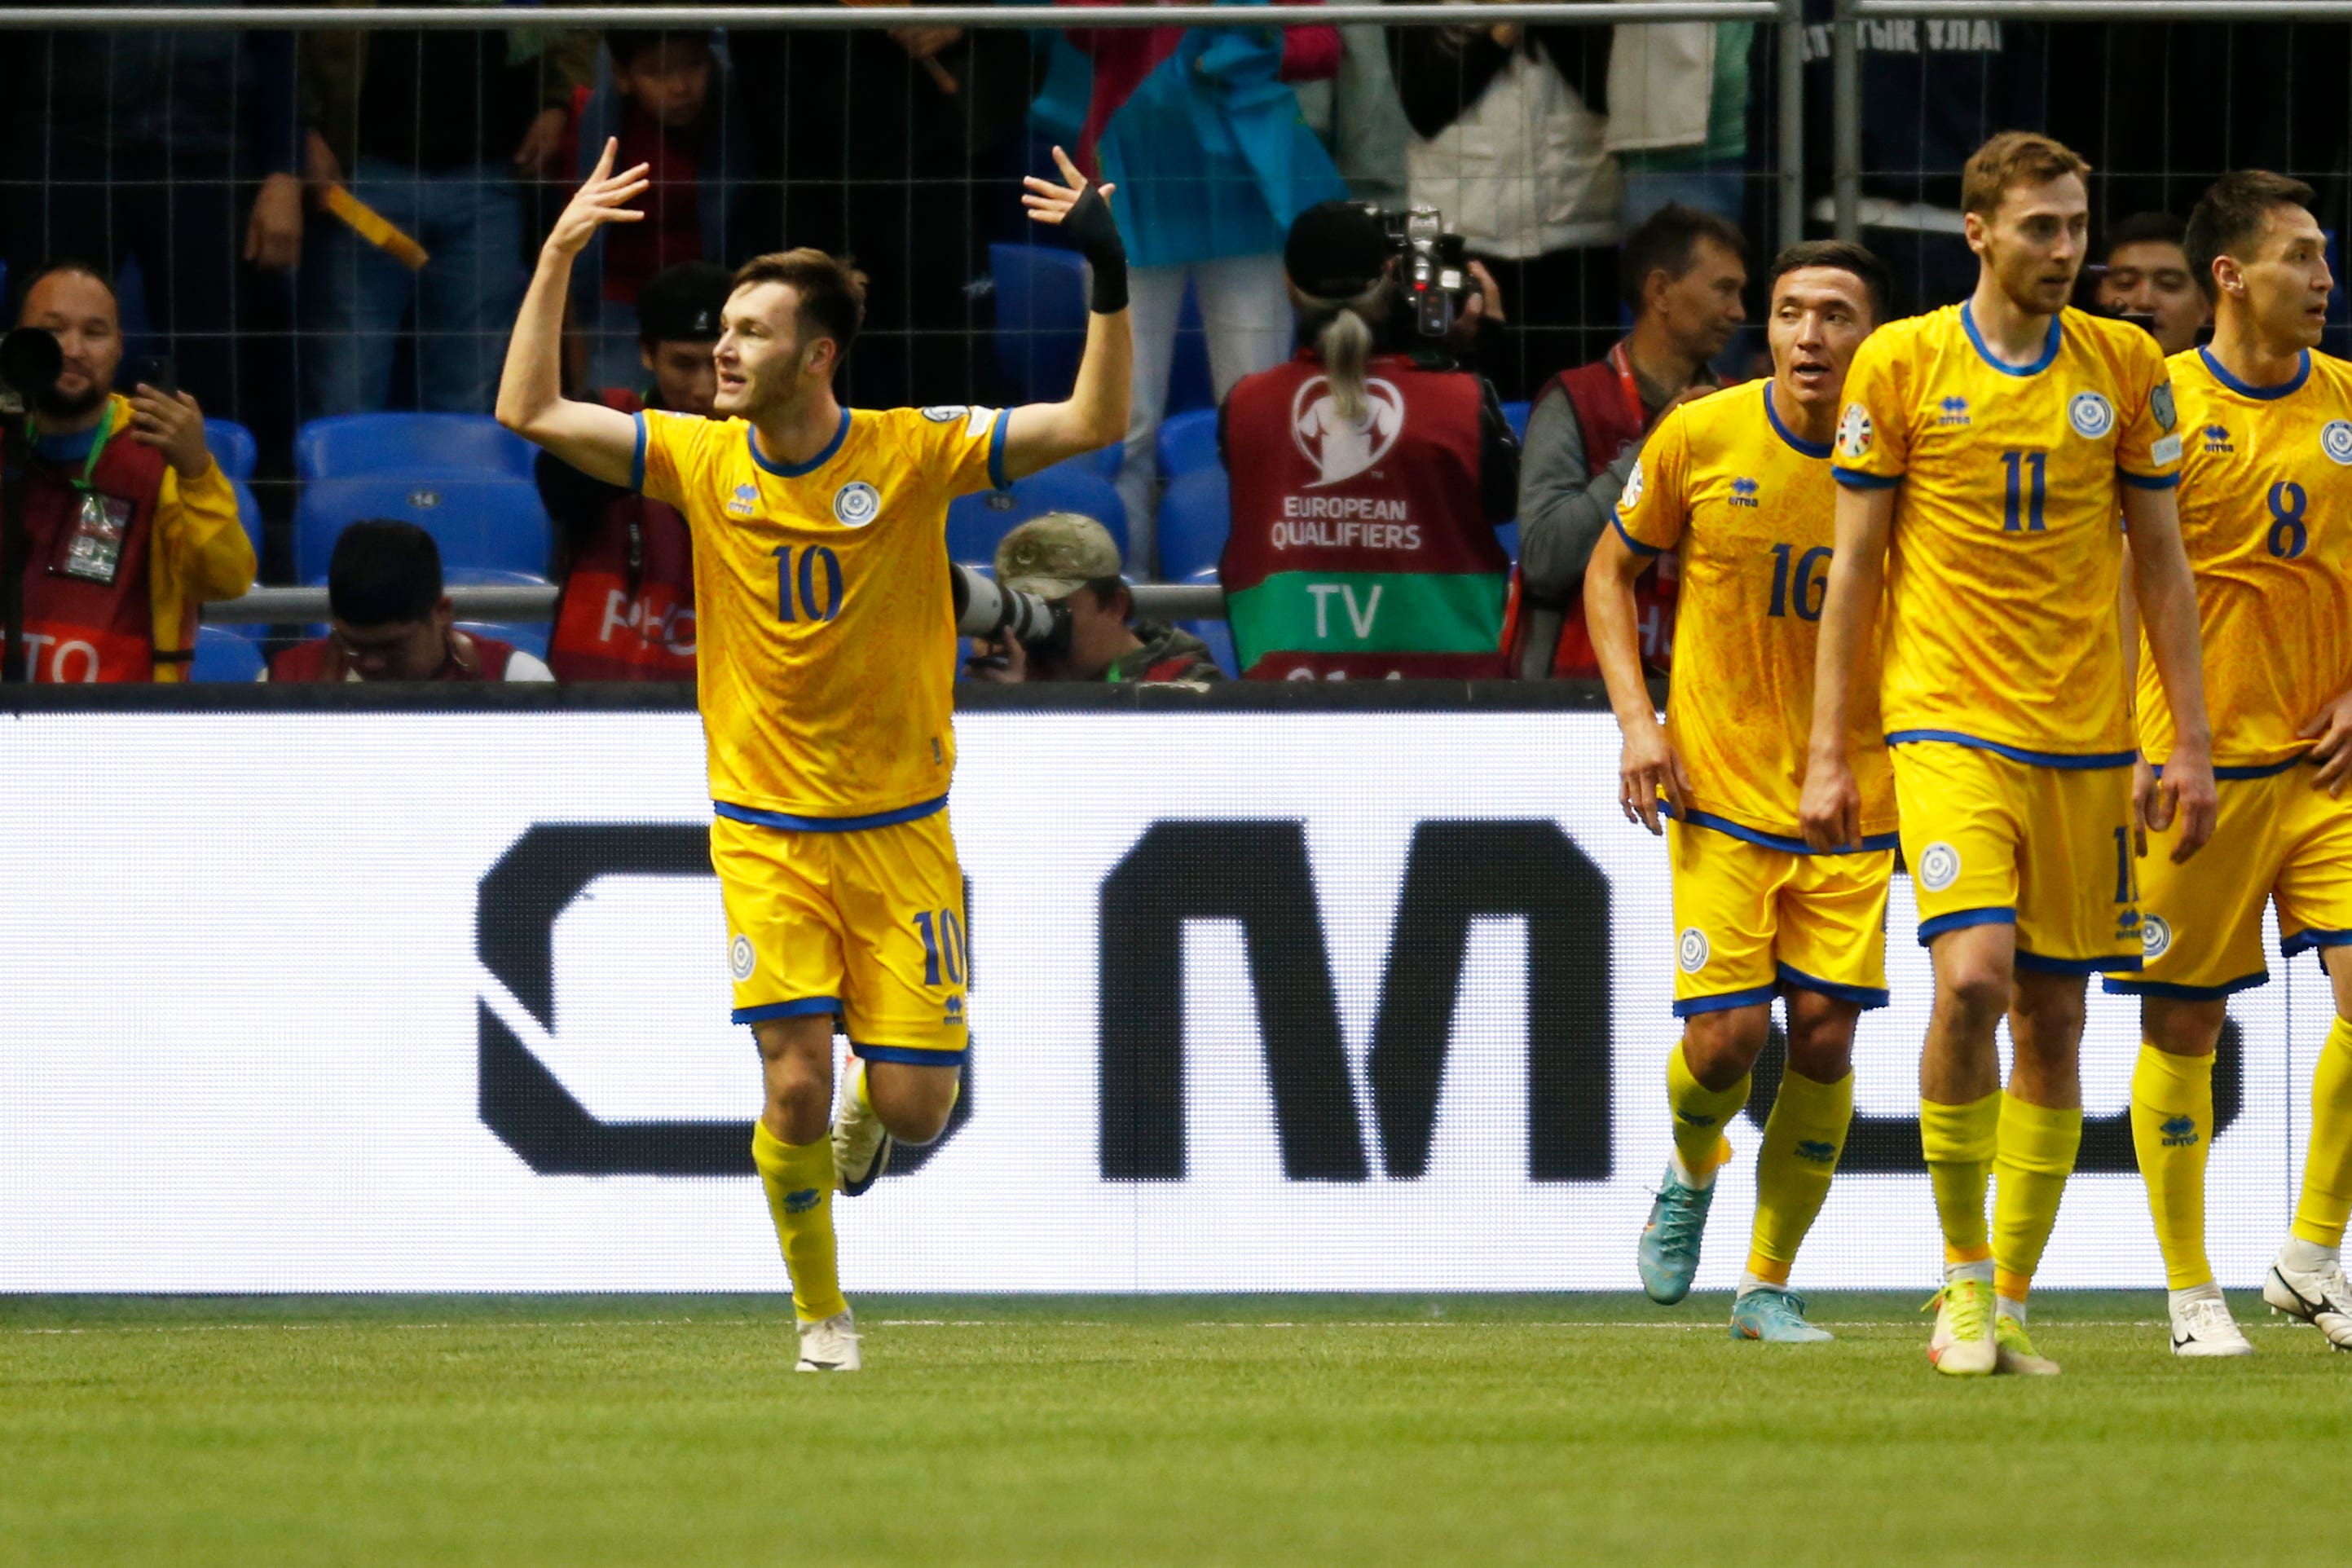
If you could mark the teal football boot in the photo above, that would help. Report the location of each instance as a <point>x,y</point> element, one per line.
<point>1669,1254</point>
<point>1775,1316</point>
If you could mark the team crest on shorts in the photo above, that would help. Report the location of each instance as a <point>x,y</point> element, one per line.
<point>1855,432</point>
<point>2336,440</point>
<point>854,504</point>
<point>741,959</point>
<point>946,412</point>
<point>2155,936</point>
<point>1691,951</point>
<point>1632,497</point>
<point>2091,415</point>
<point>1938,868</point>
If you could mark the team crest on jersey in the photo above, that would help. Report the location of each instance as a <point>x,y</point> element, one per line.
<point>2155,936</point>
<point>2091,415</point>
<point>1938,868</point>
<point>1691,952</point>
<point>854,504</point>
<point>2336,440</point>
<point>1855,432</point>
<point>2160,403</point>
<point>1631,495</point>
<point>1952,411</point>
<point>744,501</point>
<point>946,412</point>
<point>741,959</point>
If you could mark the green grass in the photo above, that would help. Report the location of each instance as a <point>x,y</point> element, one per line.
<point>1379,1430</point>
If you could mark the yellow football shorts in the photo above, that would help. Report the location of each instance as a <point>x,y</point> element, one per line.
<point>1753,919</point>
<point>1990,840</point>
<point>866,923</point>
<point>2201,924</point>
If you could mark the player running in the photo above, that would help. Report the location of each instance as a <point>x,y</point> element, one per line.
<point>2266,515</point>
<point>826,658</point>
<point>1738,482</point>
<point>1981,457</point>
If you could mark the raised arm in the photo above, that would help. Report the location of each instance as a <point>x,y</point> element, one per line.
<point>599,442</point>
<point>1648,765</point>
<point>2166,594</point>
<point>1829,812</point>
<point>1039,435</point>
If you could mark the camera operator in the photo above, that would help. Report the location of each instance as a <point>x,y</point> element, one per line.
<point>1371,471</point>
<point>130,524</point>
<point>1072,564</point>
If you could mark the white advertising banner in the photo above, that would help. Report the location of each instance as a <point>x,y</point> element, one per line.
<point>387,1001</point>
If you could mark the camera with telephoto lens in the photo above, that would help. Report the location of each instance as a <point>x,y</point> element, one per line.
<point>1432,267</point>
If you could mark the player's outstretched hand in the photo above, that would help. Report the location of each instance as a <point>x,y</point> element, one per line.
<point>1648,767</point>
<point>2185,795</point>
<point>2331,734</point>
<point>603,199</point>
<point>1829,812</point>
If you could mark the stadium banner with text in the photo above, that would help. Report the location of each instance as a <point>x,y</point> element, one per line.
<point>386,1000</point>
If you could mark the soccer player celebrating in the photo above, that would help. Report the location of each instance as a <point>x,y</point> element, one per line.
<point>827,652</point>
<point>2266,514</point>
<point>1740,483</point>
<point>1981,457</point>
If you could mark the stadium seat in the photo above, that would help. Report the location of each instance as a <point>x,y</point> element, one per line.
<point>975,522</point>
<point>248,512</point>
<point>1041,318</point>
<point>1508,536</point>
<point>222,654</point>
<point>478,520</point>
<point>1195,515</point>
<point>1217,633</point>
<point>1188,387</point>
<point>1188,443</point>
<point>1516,414</point>
<point>232,446</point>
<point>353,444</point>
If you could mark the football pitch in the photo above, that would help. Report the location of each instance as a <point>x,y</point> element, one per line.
<point>671,1430</point>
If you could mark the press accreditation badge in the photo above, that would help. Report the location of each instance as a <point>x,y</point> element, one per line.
<point>93,552</point>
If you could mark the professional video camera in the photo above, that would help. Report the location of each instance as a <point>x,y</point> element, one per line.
<point>1432,267</point>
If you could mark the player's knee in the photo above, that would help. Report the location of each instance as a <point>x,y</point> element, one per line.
<point>1721,1048</point>
<point>913,1103</point>
<point>2048,1013</point>
<point>1821,1036</point>
<point>1975,993</point>
<point>2181,1028</point>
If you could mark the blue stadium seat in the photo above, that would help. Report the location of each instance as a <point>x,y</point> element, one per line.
<point>222,654</point>
<point>1187,442</point>
<point>1218,634</point>
<point>1508,536</point>
<point>1516,414</point>
<point>478,520</point>
<point>1188,387</point>
<point>232,448</point>
<point>353,444</point>
<point>1195,515</point>
<point>975,522</point>
<point>1041,318</point>
<point>249,511</point>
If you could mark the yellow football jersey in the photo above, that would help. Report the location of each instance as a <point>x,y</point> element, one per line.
<point>1750,508</point>
<point>2004,558</point>
<point>2266,515</point>
<point>825,615</point>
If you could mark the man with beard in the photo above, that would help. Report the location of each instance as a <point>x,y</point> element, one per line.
<point>129,525</point>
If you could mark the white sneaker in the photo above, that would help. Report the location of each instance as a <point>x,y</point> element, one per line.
<point>2319,1296</point>
<point>1962,1344</point>
<point>830,1344</point>
<point>2201,1326</point>
<point>861,1147</point>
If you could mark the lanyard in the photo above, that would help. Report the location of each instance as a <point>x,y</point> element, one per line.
<point>98,439</point>
<point>1622,364</point>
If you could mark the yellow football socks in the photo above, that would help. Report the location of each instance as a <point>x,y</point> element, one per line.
<point>1959,1142</point>
<point>1700,1116</point>
<point>2172,1127</point>
<point>2035,1154</point>
<point>2327,1165</point>
<point>1802,1139</point>
<point>799,1182</point>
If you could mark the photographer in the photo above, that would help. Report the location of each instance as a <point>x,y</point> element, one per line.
<point>1369,473</point>
<point>1072,564</point>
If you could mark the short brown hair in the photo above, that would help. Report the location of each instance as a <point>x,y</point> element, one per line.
<point>2015,158</point>
<point>832,291</point>
<point>1844,256</point>
<point>2231,216</point>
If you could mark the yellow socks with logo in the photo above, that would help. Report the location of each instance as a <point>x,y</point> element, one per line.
<point>1700,1116</point>
<point>1802,1139</point>
<point>2327,1165</point>
<point>799,1182</point>
<point>1959,1142</point>
<point>2172,1128</point>
<point>2035,1156</point>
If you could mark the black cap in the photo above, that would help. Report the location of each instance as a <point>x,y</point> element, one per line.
<point>682,304</point>
<point>1337,250</point>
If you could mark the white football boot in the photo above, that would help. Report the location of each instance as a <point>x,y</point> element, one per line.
<point>2202,1325</point>
<point>830,1344</point>
<point>2318,1296</point>
<point>861,1147</point>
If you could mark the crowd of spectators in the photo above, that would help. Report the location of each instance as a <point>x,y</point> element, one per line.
<point>307,225</point>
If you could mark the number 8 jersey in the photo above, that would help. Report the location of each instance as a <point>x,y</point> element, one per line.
<point>2004,562</point>
<point>825,620</point>
<point>2266,515</point>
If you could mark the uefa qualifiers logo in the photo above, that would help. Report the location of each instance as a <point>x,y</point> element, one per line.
<point>1342,448</point>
